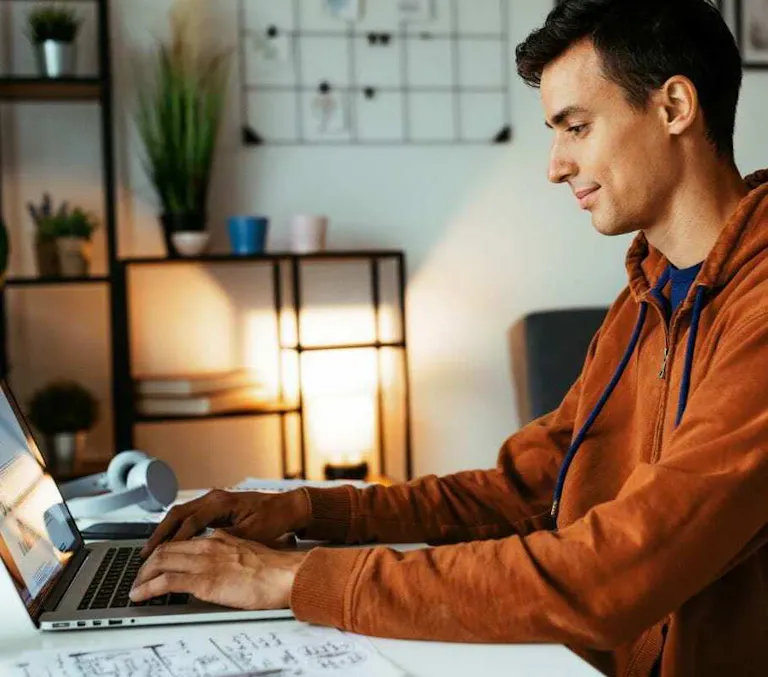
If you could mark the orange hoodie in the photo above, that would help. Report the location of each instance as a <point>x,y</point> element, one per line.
<point>658,550</point>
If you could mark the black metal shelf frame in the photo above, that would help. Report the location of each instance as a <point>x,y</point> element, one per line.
<point>99,90</point>
<point>126,411</point>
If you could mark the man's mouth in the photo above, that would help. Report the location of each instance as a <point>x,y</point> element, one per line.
<point>586,197</point>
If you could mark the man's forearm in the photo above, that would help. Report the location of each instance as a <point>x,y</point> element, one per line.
<point>513,498</point>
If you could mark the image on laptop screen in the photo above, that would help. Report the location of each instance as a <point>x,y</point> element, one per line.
<point>37,534</point>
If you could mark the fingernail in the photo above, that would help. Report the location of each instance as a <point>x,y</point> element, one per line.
<point>132,595</point>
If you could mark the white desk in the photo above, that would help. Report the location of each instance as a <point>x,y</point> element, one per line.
<point>420,659</point>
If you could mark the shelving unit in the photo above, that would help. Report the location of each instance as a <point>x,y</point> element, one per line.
<point>99,90</point>
<point>127,417</point>
<point>15,90</point>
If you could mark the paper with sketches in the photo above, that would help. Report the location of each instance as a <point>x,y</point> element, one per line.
<point>278,486</point>
<point>294,652</point>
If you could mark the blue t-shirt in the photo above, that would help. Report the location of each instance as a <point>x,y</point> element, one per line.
<point>680,281</point>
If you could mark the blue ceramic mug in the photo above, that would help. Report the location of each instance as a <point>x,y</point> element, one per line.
<point>248,234</point>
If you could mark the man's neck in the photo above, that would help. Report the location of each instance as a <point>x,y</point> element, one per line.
<point>697,213</point>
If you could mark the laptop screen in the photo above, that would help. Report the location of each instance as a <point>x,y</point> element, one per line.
<point>37,534</point>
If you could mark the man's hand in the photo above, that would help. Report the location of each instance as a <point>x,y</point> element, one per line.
<point>221,569</point>
<point>249,514</point>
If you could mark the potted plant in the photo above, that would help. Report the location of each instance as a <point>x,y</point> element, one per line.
<point>72,231</point>
<point>178,121</point>
<point>46,254</point>
<point>52,30</point>
<point>63,411</point>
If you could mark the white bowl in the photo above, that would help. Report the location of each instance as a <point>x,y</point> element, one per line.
<point>190,243</point>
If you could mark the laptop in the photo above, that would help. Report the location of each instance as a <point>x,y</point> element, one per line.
<point>64,583</point>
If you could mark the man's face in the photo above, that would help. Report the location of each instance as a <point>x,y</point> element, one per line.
<point>615,158</point>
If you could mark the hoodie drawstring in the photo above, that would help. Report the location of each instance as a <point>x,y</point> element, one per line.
<point>684,385</point>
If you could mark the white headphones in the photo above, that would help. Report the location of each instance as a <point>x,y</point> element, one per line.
<point>133,477</point>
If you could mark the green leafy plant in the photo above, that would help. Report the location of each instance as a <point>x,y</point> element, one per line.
<point>42,213</point>
<point>63,407</point>
<point>178,120</point>
<point>65,223</point>
<point>52,22</point>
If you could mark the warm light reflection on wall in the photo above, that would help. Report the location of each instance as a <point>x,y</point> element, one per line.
<point>339,387</point>
<point>259,350</point>
<point>162,317</point>
<point>340,402</point>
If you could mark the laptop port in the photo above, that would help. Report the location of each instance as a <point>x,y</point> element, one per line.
<point>80,624</point>
<point>60,625</point>
<point>96,624</point>
<point>115,622</point>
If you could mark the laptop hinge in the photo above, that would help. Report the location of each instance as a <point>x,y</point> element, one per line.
<point>62,585</point>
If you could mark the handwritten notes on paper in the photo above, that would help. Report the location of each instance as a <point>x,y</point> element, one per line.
<point>295,652</point>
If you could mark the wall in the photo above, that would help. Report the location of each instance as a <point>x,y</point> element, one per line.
<point>487,239</point>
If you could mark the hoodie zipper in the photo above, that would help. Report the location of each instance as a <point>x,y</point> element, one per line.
<point>663,371</point>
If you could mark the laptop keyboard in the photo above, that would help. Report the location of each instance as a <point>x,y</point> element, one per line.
<point>113,580</point>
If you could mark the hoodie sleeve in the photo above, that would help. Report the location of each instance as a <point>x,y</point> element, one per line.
<point>513,498</point>
<point>674,528</point>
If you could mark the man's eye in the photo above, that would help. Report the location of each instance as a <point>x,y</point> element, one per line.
<point>576,129</point>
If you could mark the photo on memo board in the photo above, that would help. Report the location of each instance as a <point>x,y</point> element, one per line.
<point>752,32</point>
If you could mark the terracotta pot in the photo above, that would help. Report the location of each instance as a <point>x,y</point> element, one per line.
<point>47,255</point>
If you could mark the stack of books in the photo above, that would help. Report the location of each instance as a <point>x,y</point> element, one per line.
<point>200,394</point>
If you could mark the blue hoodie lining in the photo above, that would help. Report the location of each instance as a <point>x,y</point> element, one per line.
<point>684,385</point>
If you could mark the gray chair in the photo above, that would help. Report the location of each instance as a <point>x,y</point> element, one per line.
<point>548,351</point>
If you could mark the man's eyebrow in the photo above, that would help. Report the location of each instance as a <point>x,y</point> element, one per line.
<point>567,112</point>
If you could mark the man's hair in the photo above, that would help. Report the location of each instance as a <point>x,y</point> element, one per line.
<point>641,44</point>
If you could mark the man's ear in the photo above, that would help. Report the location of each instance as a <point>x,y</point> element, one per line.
<point>678,104</point>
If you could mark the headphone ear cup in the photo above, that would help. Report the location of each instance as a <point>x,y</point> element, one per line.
<point>159,482</point>
<point>120,468</point>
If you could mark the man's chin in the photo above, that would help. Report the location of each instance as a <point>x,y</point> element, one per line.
<point>609,228</point>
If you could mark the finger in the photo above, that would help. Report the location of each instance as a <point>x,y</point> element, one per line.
<point>177,525</point>
<point>168,582</point>
<point>165,562</point>
<point>224,536</point>
<point>198,546</point>
<point>167,527</point>
<point>198,522</point>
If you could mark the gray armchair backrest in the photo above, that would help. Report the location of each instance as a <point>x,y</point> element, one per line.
<point>552,348</point>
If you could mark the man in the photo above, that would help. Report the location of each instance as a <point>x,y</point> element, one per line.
<point>630,523</point>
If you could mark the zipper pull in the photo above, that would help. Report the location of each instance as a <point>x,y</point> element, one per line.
<point>664,363</point>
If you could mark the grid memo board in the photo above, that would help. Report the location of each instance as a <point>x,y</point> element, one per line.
<point>377,76</point>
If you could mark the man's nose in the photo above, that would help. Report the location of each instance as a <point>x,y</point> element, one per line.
<point>561,168</point>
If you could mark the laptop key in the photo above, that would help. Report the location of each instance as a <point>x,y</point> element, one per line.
<point>176,598</point>
<point>159,601</point>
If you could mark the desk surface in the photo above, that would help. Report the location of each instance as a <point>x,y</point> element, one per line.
<point>420,659</point>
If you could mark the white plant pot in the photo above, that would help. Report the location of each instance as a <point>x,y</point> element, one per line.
<point>308,233</point>
<point>191,242</point>
<point>56,59</point>
<point>74,256</point>
<point>63,449</point>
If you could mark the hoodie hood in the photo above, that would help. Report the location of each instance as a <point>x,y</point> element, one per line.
<point>743,238</point>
